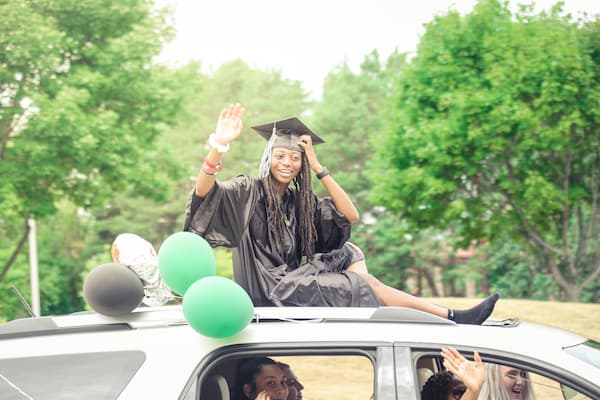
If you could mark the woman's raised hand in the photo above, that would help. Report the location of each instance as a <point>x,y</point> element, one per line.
<point>305,141</point>
<point>230,124</point>
<point>470,372</point>
<point>262,396</point>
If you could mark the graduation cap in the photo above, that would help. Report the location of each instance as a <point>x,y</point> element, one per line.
<point>287,133</point>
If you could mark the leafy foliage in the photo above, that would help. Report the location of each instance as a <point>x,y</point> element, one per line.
<point>494,127</point>
<point>81,106</point>
<point>348,117</point>
<point>87,117</point>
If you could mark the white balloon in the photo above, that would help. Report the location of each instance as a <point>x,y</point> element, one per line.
<point>139,255</point>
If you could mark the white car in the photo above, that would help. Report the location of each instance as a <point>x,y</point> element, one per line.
<point>337,353</point>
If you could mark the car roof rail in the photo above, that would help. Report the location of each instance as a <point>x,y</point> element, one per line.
<point>42,326</point>
<point>403,314</point>
<point>172,315</point>
<point>28,324</point>
<point>333,314</point>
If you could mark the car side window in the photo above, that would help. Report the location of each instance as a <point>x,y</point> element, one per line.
<point>335,376</point>
<point>101,375</point>
<point>545,388</point>
<point>527,384</point>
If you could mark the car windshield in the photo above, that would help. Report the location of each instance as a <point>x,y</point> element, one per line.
<point>67,376</point>
<point>588,351</point>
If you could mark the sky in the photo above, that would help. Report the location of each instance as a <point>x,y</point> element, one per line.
<point>306,39</point>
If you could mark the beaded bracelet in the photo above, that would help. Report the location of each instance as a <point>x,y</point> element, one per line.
<point>208,174</point>
<point>210,165</point>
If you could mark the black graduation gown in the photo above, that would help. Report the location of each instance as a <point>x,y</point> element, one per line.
<point>233,214</point>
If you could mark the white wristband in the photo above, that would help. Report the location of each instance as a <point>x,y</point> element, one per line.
<point>212,142</point>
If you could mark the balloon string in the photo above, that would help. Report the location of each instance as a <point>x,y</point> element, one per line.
<point>298,321</point>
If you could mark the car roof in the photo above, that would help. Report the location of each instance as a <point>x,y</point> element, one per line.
<point>146,317</point>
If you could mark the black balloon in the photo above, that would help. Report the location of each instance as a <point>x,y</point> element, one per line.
<point>113,289</point>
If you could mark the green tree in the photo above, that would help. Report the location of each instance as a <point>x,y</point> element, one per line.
<point>512,271</point>
<point>81,106</point>
<point>349,115</point>
<point>495,128</point>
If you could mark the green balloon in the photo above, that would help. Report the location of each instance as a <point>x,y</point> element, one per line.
<point>217,307</point>
<point>183,258</point>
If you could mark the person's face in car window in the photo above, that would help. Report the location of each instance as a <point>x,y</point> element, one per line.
<point>514,381</point>
<point>270,381</point>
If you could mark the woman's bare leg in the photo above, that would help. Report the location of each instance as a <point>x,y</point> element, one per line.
<point>397,298</point>
<point>390,296</point>
<point>359,267</point>
<point>393,297</point>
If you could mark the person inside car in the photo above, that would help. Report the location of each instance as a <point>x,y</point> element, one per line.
<point>443,385</point>
<point>260,378</point>
<point>506,383</point>
<point>462,379</point>
<point>290,247</point>
<point>294,386</point>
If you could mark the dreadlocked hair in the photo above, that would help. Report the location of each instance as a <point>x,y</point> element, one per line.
<point>305,206</point>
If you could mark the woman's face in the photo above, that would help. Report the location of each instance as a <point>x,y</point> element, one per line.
<point>457,389</point>
<point>514,381</point>
<point>285,165</point>
<point>271,381</point>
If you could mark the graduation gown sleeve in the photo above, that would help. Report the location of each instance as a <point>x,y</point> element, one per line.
<point>223,215</point>
<point>333,229</point>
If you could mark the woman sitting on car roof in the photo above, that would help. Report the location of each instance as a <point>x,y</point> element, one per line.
<point>291,248</point>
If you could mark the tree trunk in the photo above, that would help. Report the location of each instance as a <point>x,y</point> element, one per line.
<point>572,290</point>
<point>573,293</point>
<point>453,292</point>
<point>419,282</point>
<point>16,252</point>
<point>470,288</point>
<point>438,279</point>
<point>485,286</point>
<point>430,282</point>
